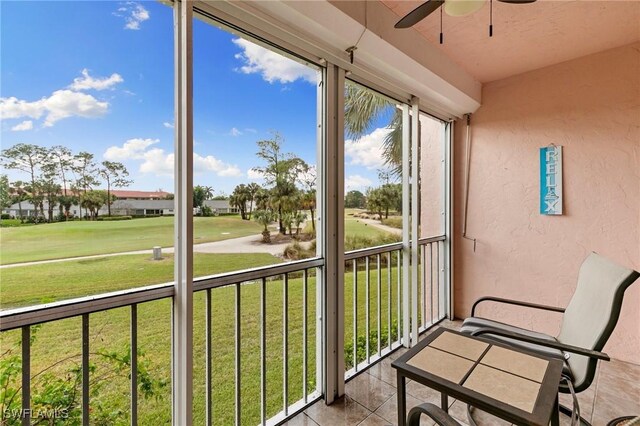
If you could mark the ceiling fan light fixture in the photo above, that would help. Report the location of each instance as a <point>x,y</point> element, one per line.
<point>462,7</point>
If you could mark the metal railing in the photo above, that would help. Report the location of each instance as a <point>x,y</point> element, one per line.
<point>378,271</point>
<point>361,349</point>
<point>373,329</point>
<point>431,287</point>
<point>26,318</point>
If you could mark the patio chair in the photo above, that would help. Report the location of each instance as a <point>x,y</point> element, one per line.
<point>432,411</point>
<point>587,323</point>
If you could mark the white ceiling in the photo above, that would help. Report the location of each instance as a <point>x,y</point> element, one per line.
<point>528,36</point>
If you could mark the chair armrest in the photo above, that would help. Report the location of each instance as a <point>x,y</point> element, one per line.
<point>514,302</point>
<point>434,412</point>
<point>556,345</point>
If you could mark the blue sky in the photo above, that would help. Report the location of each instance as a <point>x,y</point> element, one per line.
<point>98,77</point>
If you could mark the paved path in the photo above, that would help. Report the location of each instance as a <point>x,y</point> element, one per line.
<point>249,244</point>
<point>379,225</point>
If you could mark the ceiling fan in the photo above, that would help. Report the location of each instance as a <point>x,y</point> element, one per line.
<point>451,7</point>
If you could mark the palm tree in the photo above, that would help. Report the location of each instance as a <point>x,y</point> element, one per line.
<point>208,192</point>
<point>362,109</point>
<point>252,190</point>
<point>264,218</point>
<point>17,189</point>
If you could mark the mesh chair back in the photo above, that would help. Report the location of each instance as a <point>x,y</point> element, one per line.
<point>593,312</point>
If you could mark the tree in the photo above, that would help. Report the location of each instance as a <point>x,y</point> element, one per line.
<point>280,172</point>
<point>363,110</point>
<point>355,200</point>
<point>308,202</point>
<point>19,195</point>
<point>5,192</point>
<point>115,174</point>
<point>62,161</point>
<point>93,201</point>
<point>392,196</point>
<point>50,191</point>
<point>252,190</point>
<point>199,196</point>
<point>298,218</point>
<point>239,198</point>
<point>208,192</point>
<point>65,202</point>
<point>86,172</point>
<point>308,178</point>
<point>375,201</point>
<point>28,159</point>
<point>262,199</point>
<point>264,218</point>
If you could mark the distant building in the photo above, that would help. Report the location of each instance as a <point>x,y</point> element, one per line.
<point>128,203</point>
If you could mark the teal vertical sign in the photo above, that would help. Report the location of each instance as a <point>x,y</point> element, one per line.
<point>551,180</point>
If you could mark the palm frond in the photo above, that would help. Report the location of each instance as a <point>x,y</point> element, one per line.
<point>362,107</point>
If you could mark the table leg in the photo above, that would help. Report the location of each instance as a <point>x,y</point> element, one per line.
<point>555,415</point>
<point>402,401</point>
<point>444,401</point>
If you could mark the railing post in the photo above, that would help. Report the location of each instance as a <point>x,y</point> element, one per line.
<point>26,375</point>
<point>448,209</point>
<point>182,330</point>
<point>415,205</point>
<point>332,232</point>
<point>406,194</point>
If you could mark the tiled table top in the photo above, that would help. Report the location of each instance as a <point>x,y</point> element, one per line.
<point>520,384</point>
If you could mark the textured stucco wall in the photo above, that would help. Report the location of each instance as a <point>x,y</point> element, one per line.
<point>591,106</point>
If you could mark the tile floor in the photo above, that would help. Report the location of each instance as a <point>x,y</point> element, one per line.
<point>370,398</point>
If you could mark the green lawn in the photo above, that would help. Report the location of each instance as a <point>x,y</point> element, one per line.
<point>81,238</point>
<point>44,283</point>
<point>109,330</point>
<point>354,227</point>
<point>60,341</point>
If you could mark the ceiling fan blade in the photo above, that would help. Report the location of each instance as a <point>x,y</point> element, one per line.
<point>419,13</point>
<point>517,1</point>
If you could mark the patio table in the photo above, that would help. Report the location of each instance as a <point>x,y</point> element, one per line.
<point>510,383</point>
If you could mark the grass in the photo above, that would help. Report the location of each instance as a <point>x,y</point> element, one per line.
<point>110,330</point>
<point>393,221</point>
<point>81,238</point>
<point>44,283</point>
<point>355,228</point>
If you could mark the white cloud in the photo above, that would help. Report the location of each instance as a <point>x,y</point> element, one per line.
<point>25,125</point>
<point>131,149</point>
<point>168,125</point>
<point>272,66</point>
<point>86,82</point>
<point>211,164</point>
<point>356,182</point>
<point>255,174</point>
<point>367,151</point>
<point>235,132</point>
<point>159,162</point>
<point>61,104</point>
<point>134,14</point>
<point>250,130</point>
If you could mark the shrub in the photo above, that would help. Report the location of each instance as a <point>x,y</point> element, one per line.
<point>5,216</point>
<point>112,218</point>
<point>393,221</point>
<point>60,394</point>
<point>10,223</point>
<point>361,344</point>
<point>142,216</point>
<point>296,251</point>
<point>355,242</point>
